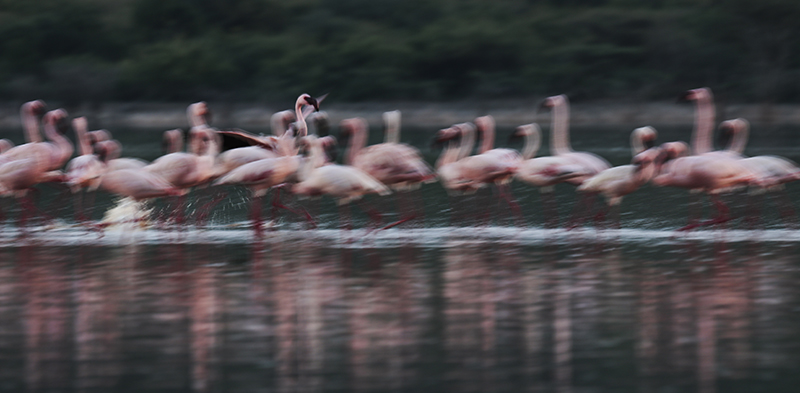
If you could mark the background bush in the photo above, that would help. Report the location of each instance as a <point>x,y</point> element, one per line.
<point>361,50</point>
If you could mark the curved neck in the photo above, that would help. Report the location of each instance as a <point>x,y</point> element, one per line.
<point>173,140</point>
<point>559,128</point>
<point>449,154</point>
<point>467,141</point>
<point>703,124</point>
<point>302,128</point>
<point>62,144</point>
<point>194,118</point>
<point>486,126</point>
<point>533,140</point>
<point>30,123</point>
<point>392,122</point>
<point>358,138</point>
<point>81,127</point>
<point>741,133</point>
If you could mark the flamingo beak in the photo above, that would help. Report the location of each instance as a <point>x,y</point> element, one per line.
<point>686,96</point>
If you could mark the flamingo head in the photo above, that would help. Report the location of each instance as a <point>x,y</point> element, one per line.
<point>695,94</point>
<point>670,151</point>
<point>553,101</point>
<point>98,136</point>
<point>523,131</point>
<point>729,128</point>
<point>647,135</point>
<point>446,135</point>
<point>306,99</point>
<point>58,119</point>
<point>36,107</point>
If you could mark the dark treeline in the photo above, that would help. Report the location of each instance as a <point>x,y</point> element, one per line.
<point>243,50</point>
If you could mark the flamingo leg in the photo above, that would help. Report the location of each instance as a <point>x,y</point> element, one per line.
<point>722,217</point>
<point>205,210</point>
<point>374,215</point>
<point>508,196</point>
<point>255,215</point>
<point>582,210</point>
<point>344,217</point>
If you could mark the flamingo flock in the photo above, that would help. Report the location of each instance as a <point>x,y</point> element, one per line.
<point>302,163</point>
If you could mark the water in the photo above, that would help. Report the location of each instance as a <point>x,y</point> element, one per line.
<point>427,307</point>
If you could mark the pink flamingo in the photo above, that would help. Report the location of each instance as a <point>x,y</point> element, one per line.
<point>772,171</point>
<point>262,175</point>
<point>343,182</point>
<point>707,171</point>
<point>35,162</point>
<point>396,165</point>
<point>710,173</point>
<point>453,173</point>
<point>614,183</point>
<point>499,165</point>
<point>85,170</point>
<point>563,165</point>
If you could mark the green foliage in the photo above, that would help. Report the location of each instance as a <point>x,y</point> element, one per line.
<point>84,50</point>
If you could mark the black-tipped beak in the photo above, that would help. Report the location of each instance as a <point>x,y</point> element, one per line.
<point>685,97</point>
<point>543,106</point>
<point>649,143</point>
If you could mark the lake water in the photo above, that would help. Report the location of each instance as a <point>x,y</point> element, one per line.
<point>460,300</point>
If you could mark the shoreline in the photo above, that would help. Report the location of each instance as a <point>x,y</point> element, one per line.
<point>419,114</point>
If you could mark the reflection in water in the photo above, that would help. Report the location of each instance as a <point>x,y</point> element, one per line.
<point>296,316</point>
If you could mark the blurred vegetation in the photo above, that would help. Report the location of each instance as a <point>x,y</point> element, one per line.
<point>360,50</point>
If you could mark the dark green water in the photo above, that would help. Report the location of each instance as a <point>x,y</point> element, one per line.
<point>438,305</point>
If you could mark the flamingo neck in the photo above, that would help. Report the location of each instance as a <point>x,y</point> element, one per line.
<point>358,140</point>
<point>61,143</point>
<point>740,137</point>
<point>703,124</point>
<point>559,129</point>
<point>449,154</point>
<point>81,128</point>
<point>30,124</point>
<point>637,142</point>
<point>487,134</point>
<point>302,127</point>
<point>467,142</point>
<point>392,121</point>
<point>194,118</point>
<point>174,141</point>
<point>533,140</point>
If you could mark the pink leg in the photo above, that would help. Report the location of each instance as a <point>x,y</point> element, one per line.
<point>255,215</point>
<point>508,196</point>
<point>205,211</point>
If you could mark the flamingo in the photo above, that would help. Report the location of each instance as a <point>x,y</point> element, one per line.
<point>260,176</point>
<point>345,183</point>
<point>185,170</point>
<point>396,165</point>
<point>707,171</point>
<point>710,173</point>
<point>614,183</point>
<point>85,170</point>
<point>500,164</point>
<point>35,162</point>
<point>772,171</point>
<point>563,165</point>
